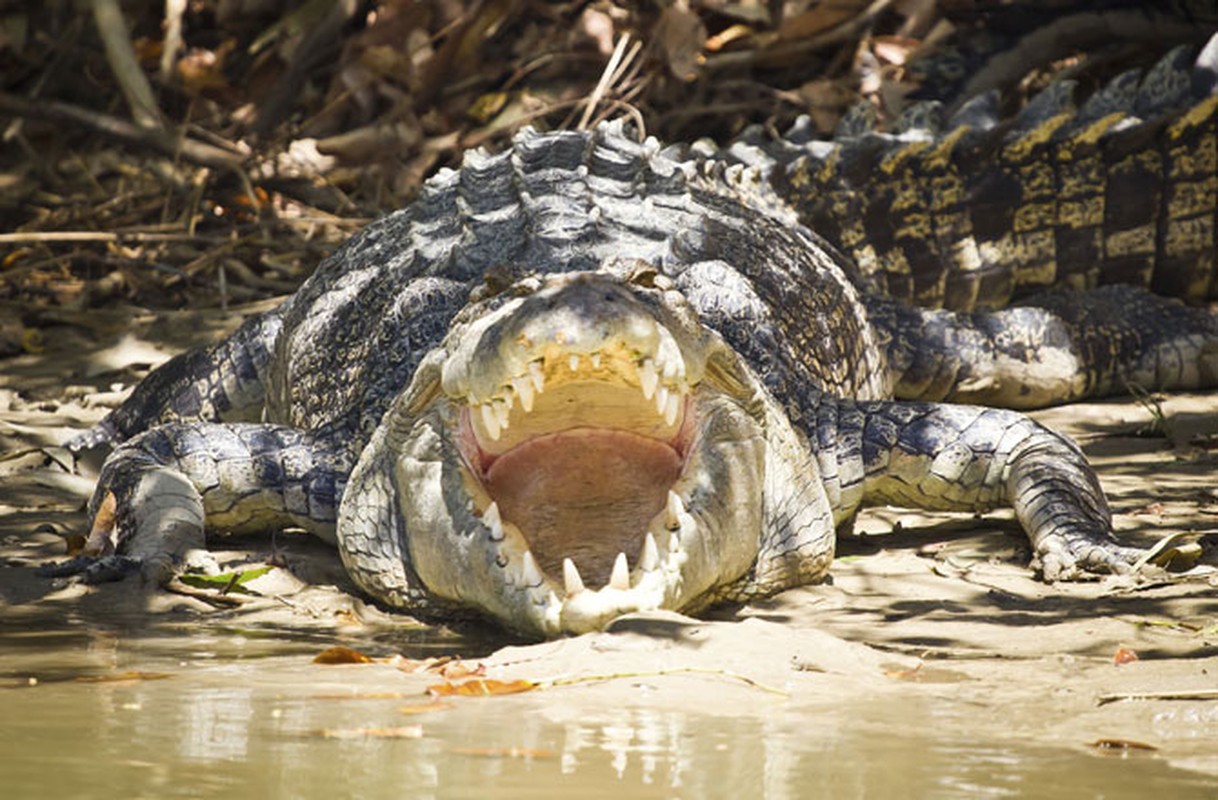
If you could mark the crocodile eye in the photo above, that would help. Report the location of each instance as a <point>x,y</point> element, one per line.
<point>501,279</point>
<point>647,276</point>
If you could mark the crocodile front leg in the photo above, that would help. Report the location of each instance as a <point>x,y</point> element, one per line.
<point>160,490</point>
<point>968,458</point>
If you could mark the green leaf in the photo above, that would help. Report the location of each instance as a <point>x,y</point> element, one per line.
<point>226,581</point>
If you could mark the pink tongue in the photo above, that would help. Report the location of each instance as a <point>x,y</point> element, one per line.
<point>585,494</point>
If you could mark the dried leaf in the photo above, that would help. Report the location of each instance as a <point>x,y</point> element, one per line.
<point>11,260</point>
<point>418,665</point>
<point>480,687</point>
<point>455,670</point>
<point>821,17</point>
<point>201,71</point>
<point>894,49</point>
<point>1124,656</point>
<point>486,106</point>
<point>597,26</point>
<point>682,36</point>
<point>341,655</point>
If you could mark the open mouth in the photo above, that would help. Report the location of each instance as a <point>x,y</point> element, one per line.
<point>574,466</point>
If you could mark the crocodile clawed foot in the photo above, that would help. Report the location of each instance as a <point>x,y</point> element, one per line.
<point>93,569</point>
<point>1065,559</point>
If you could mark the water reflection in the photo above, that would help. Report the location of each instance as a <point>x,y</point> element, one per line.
<point>234,724</point>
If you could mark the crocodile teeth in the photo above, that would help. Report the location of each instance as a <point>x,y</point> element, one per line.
<point>620,577</point>
<point>492,520</point>
<point>649,378</point>
<point>529,571</point>
<point>649,558</point>
<point>573,583</point>
<point>502,414</point>
<point>573,362</point>
<point>538,376</point>
<point>670,408</point>
<point>596,360</point>
<point>661,400</point>
<point>491,421</point>
<point>673,510</point>
<point>524,388</point>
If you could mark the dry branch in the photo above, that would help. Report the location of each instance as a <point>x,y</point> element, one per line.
<point>121,130</point>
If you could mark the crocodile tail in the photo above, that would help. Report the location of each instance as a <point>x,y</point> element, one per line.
<point>967,213</point>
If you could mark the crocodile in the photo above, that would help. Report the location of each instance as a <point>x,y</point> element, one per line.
<point>970,210</point>
<point>590,375</point>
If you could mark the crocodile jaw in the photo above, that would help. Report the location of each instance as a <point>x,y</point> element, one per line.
<point>576,464</point>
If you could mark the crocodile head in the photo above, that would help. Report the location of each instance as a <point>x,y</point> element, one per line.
<point>579,447</point>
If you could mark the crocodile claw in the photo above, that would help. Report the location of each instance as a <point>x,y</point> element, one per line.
<point>93,569</point>
<point>1063,560</point>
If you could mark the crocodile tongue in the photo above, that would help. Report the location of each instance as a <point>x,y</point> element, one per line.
<point>584,493</point>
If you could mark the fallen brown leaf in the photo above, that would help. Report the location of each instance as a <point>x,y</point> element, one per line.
<point>341,655</point>
<point>480,687</point>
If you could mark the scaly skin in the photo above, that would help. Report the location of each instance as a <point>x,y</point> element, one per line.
<point>970,212</point>
<point>580,378</point>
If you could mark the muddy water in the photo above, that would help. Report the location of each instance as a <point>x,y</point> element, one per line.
<point>248,714</point>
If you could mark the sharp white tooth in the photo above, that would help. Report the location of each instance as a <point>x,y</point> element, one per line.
<point>670,409</point>
<point>490,420</point>
<point>649,558</point>
<point>673,510</point>
<point>573,584</point>
<point>524,388</point>
<point>661,400</point>
<point>508,400</point>
<point>674,544</point>
<point>502,413</point>
<point>620,577</point>
<point>596,360</point>
<point>648,377</point>
<point>670,370</point>
<point>529,571</point>
<point>538,376</point>
<point>492,520</point>
<point>573,362</point>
